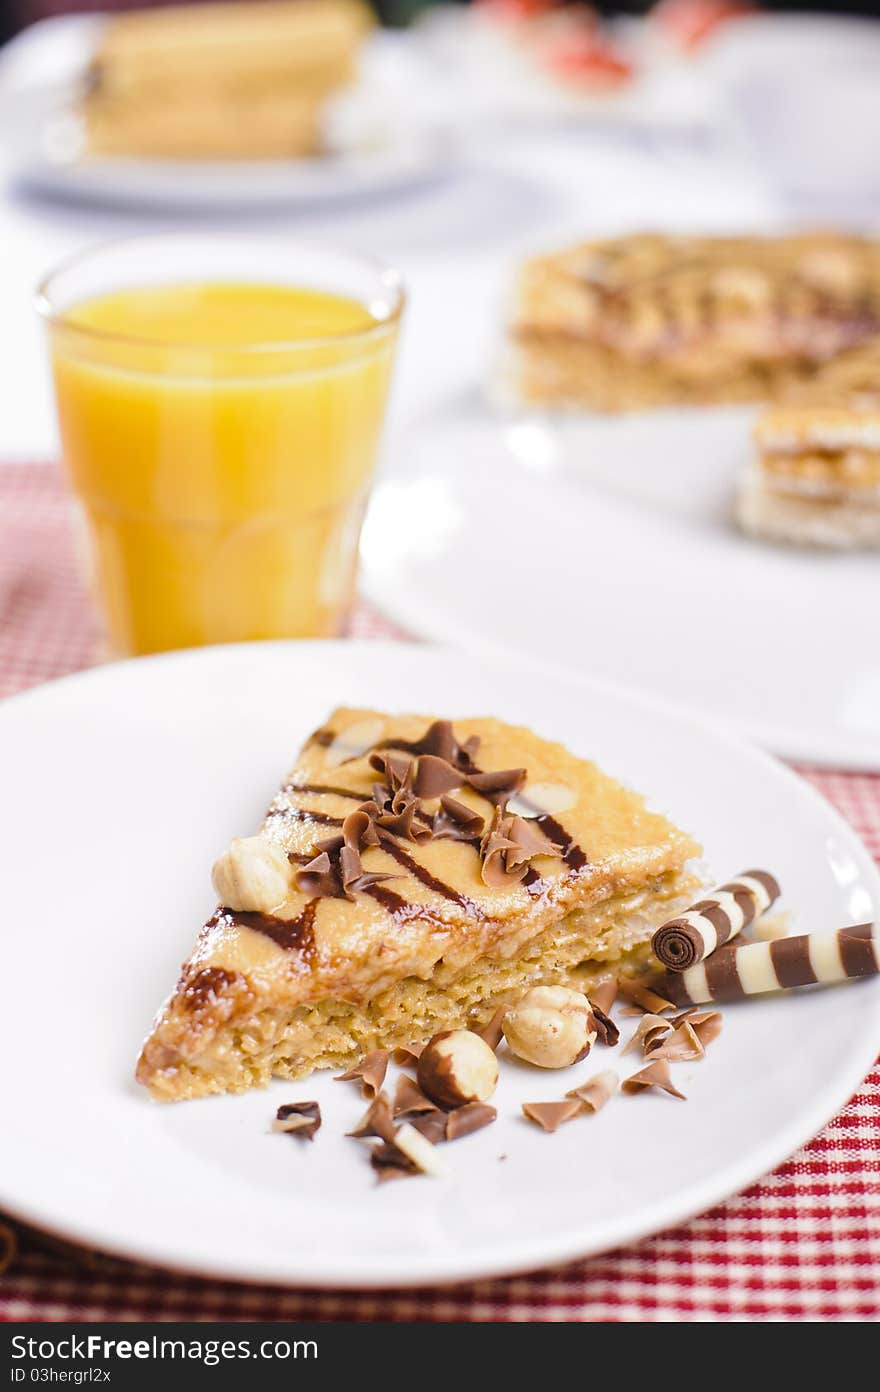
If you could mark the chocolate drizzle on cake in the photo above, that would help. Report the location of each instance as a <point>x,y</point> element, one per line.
<point>291,934</point>
<point>208,984</point>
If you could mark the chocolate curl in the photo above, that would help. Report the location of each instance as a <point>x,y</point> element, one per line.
<point>550,1115</point>
<point>682,1045</point>
<point>508,848</point>
<point>439,739</point>
<point>492,1032</point>
<point>692,936</point>
<point>596,1091</point>
<point>655,1075</point>
<point>498,786</point>
<point>298,1119</point>
<point>336,871</point>
<point>607,1032</point>
<point>650,1030</point>
<point>755,968</point>
<point>603,995</point>
<point>369,1072</point>
<point>376,1121</point>
<point>457,822</point>
<point>319,878</point>
<point>435,776</point>
<point>409,1098</point>
<point>644,1000</point>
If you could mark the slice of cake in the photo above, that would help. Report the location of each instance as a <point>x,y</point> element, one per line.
<point>816,480</point>
<point>411,876</point>
<point>220,80</point>
<point>651,320</point>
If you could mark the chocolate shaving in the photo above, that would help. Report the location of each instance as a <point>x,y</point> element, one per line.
<point>391,1163</point>
<point>298,1119</point>
<point>431,1125</point>
<point>706,1024</point>
<point>508,847</point>
<point>681,1045</point>
<point>499,786</point>
<point>550,1115</point>
<point>493,1033</point>
<point>369,1072</point>
<point>596,1091</point>
<point>644,998</point>
<point>407,1056</point>
<point>439,739</point>
<point>438,1126</point>
<point>603,995</point>
<point>320,878</point>
<point>409,1098</point>
<point>606,1030</point>
<point>376,1120</point>
<point>473,1116</point>
<point>336,871</point>
<point>397,770</point>
<point>655,1075</point>
<point>435,776</point>
<point>456,822</point>
<point>650,1029</point>
<point>399,816</point>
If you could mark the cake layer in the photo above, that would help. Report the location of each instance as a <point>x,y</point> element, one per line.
<point>269,126</point>
<point>650,319</point>
<point>223,46</point>
<point>845,474</point>
<point>443,908</point>
<point>836,522</point>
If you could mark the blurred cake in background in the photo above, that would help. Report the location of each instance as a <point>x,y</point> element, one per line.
<point>652,320</point>
<point>816,478</point>
<point>221,81</point>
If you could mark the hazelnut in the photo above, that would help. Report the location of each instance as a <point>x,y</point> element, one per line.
<point>457,1067</point>
<point>254,875</point>
<point>551,1027</point>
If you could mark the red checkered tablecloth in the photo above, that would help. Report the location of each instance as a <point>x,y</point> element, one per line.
<point>802,1244</point>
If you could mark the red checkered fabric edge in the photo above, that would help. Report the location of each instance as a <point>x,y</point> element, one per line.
<point>802,1244</point>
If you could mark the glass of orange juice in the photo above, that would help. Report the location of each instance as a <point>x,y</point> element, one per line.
<point>220,403</point>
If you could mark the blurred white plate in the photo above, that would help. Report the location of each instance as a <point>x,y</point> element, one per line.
<point>606,544</point>
<point>144,769</point>
<point>374,151</point>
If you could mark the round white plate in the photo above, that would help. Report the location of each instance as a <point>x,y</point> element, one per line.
<point>371,150</point>
<point>119,788</point>
<point>612,551</point>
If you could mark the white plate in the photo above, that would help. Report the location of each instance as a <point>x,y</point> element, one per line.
<point>611,549</point>
<point>119,787</point>
<point>41,72</point>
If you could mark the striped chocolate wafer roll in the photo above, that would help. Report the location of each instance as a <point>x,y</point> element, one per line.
<point>686,940</point>
<point>753,968</point>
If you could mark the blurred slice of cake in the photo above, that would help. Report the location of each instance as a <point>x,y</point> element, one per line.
<point>652,320</point>
<point>816,480</point>
<point>233,81</point>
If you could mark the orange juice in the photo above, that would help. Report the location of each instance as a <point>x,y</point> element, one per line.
<point>221,438</point>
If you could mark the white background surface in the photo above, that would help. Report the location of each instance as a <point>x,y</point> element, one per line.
<point>159,1181</point>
